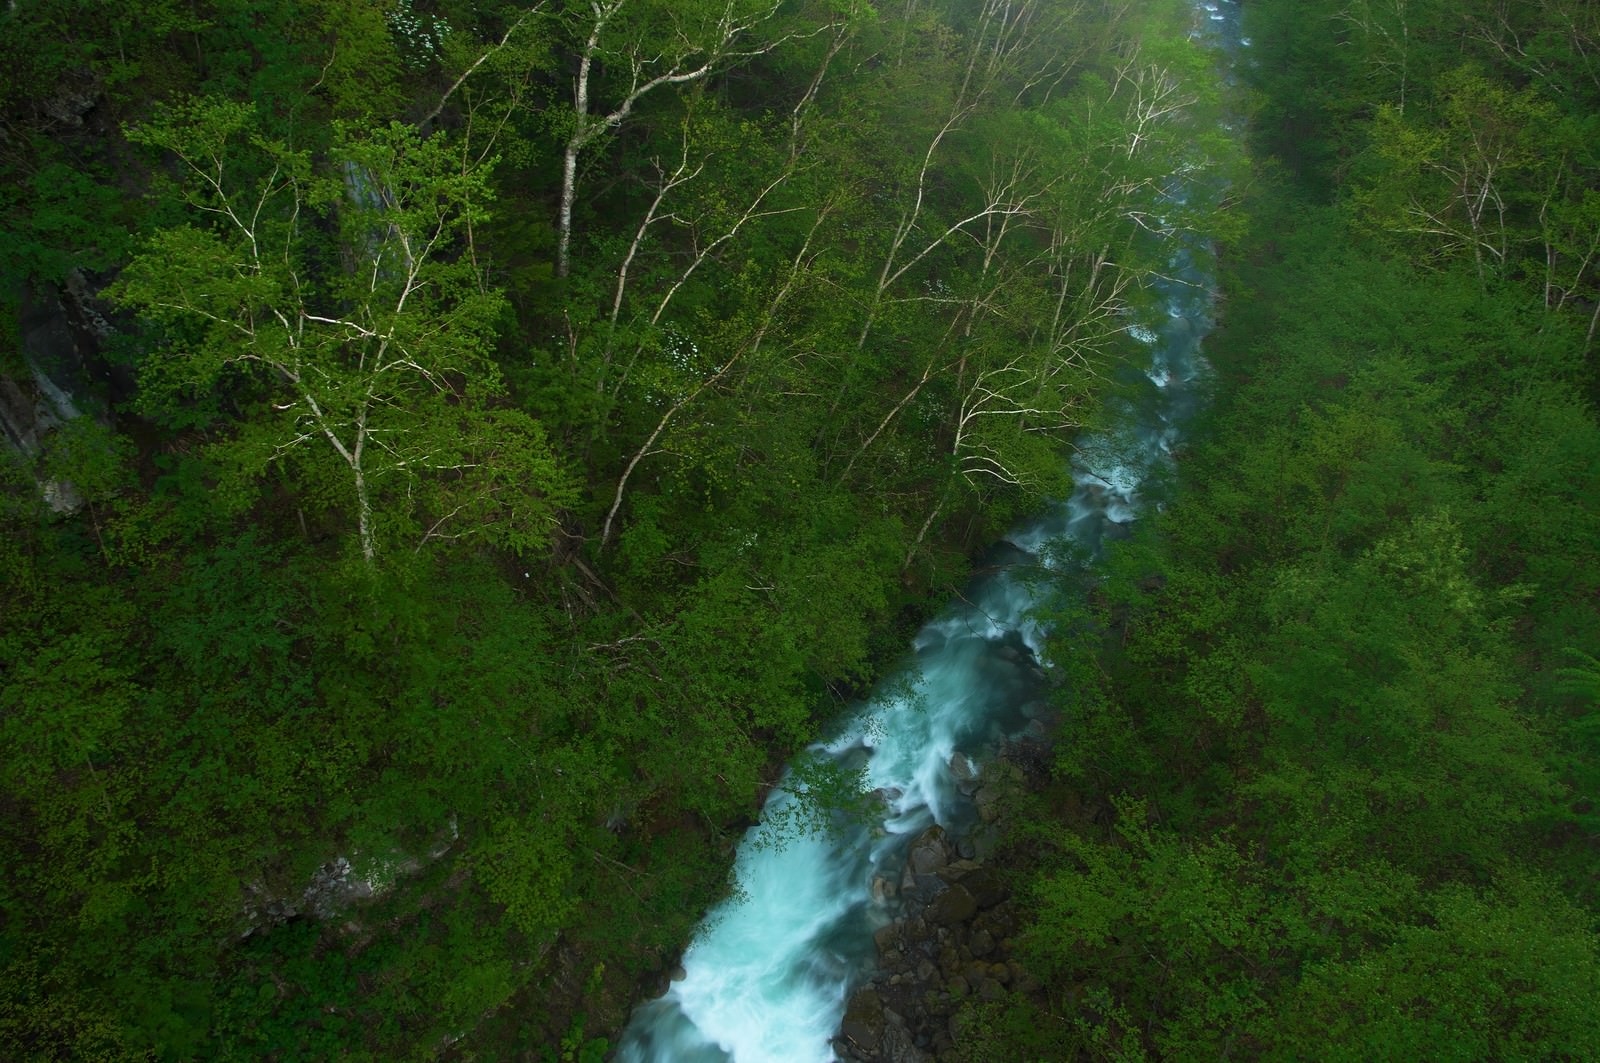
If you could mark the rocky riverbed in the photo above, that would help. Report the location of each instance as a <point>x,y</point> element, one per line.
<point>948,943</point>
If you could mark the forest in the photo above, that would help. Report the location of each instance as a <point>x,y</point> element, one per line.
<point>1327,787</point>
<point>459,450</point>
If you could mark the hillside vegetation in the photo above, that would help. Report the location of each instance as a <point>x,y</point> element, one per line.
<point>513,431</point>
<point>1326,789</point>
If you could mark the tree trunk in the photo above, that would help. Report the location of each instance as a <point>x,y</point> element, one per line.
<point>363,500</point>
<point>569,181</point>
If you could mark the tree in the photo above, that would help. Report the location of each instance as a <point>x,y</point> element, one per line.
<point>366,358</point>
<point>648,45</point>
<point>1465,183</point>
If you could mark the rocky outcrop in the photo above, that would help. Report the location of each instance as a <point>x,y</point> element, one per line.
<point>60,333</point>
<point>949,939</point>
<point>337,887</point>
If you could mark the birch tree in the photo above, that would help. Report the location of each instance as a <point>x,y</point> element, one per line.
<point>630,49</point>
<point>363,361</point>
<point>1461,185</point>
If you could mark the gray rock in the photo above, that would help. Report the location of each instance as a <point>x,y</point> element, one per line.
<point>954,905</point>
<point>963,772</point>
<point>928,852</point>
<point>864,1023</point>
<point>986,840</point>
<point>72,99</point>
<point>986,887</point>
<point>956,870</point>
<point>900,1047</point>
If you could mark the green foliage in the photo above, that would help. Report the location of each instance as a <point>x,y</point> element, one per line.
<point>627,538</point>
<point>1504,977</point>
<point>373,378</point>
<point>1323,795</point>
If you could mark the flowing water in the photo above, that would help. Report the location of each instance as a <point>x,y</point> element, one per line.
<point>768,973</point>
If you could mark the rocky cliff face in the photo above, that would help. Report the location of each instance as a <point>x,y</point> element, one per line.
<point>57,375</point>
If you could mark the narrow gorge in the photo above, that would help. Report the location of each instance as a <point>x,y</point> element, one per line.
<point>884,901</point>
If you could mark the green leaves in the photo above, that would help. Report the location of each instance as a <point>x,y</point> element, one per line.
<point>365,362</point>
<point>1503,975</point>
<point>1337,721</point>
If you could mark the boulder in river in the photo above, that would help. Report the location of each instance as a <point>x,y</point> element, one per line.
<point>954,905</point>
<point>863,1020</point>
<point>964,774</point>
<point>986,887</point>
<point>929,852</point>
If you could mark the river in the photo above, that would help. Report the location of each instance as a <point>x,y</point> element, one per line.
<point>767,975</point>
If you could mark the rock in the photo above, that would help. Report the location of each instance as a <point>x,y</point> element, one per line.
<point>883,890</point>
<point>954,905</point>
<point>957,987</point>
<point>1000,973</point>
<point>991,990</point>
<point>678,973</point>
<point>886,937</point>
<point>988,801</point>
<point>333,887</point>
<point>962,771</point>
<point>985,886</point>
<point>75,97</point>
<point>981,943</point>
<point>986,839</point>
<point>956,870</point>
<point>898,1046</point>
<point>928,852</point>
<point>926,972</point>
<point>864,1024</point>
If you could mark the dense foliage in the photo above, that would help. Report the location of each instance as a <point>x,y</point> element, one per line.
<point>1326,789</point>
<point>521,425</point>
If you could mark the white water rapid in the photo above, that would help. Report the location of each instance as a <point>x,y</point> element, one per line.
<point>768,973</point>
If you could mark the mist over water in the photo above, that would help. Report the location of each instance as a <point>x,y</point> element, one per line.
<point>768,973</point>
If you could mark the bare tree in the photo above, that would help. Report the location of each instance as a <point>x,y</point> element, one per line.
<point>649,45</point>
